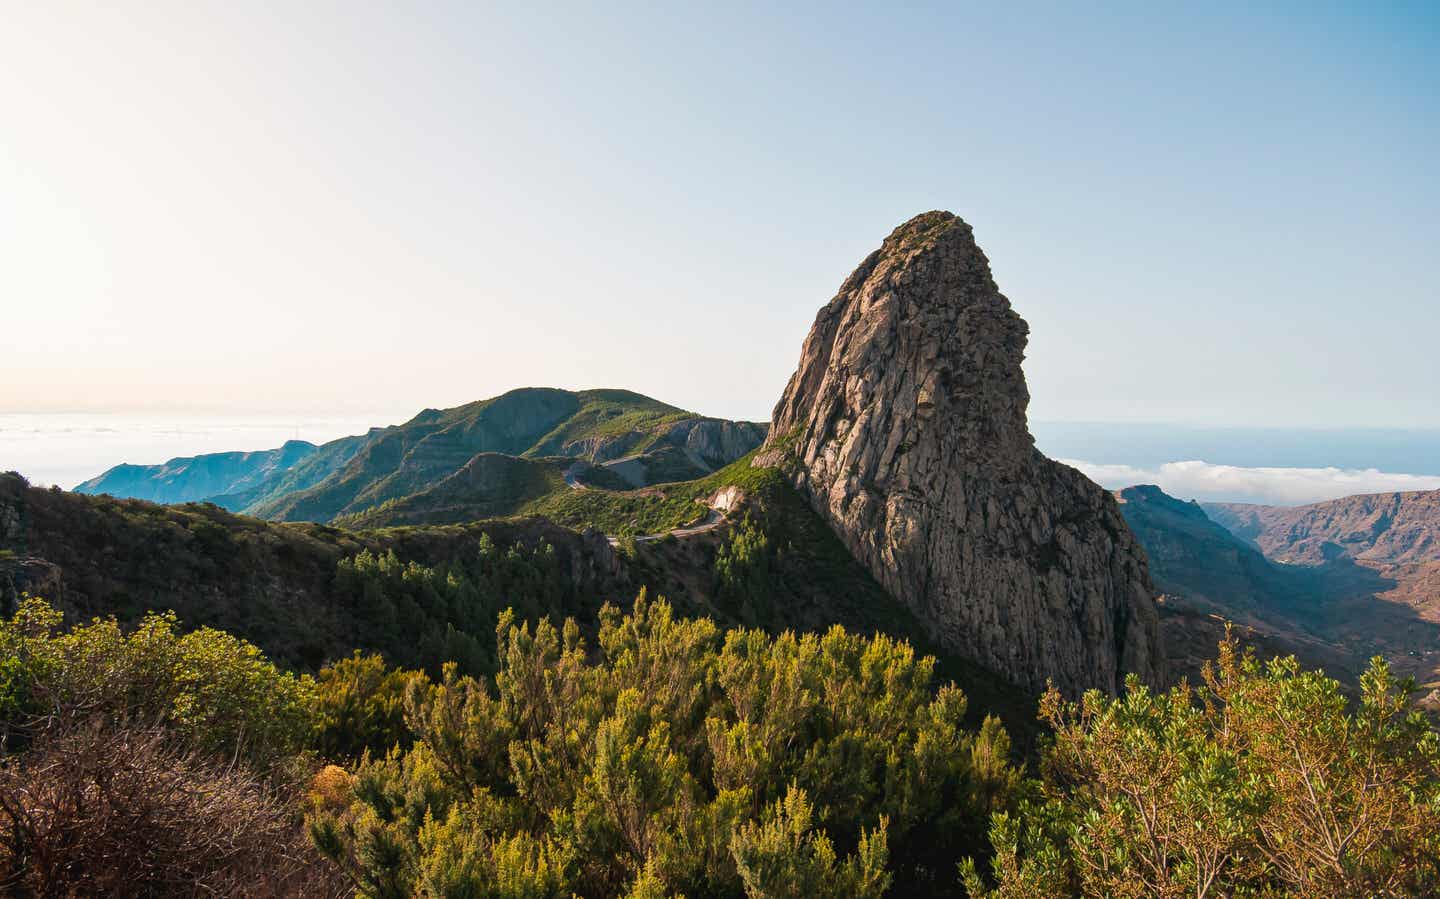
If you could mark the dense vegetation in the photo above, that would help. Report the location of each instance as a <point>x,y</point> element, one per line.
<point>423,616</point>
<point>1266,781</point>
<point>293,588</point>
<point>679,759</point>
<point>668,757</point>
<point>489,485</point>
<point>477,747</point>
<point>150,763</point>
<point>305,593</point>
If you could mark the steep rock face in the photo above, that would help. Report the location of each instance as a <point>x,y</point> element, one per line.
<point>715,442</point>
<point>905,426</point>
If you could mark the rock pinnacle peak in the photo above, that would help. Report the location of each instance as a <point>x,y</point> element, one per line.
<point>905,426</point>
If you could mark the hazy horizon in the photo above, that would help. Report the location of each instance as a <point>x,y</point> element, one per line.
<point>1267,465</point>
<point>1219,216</point>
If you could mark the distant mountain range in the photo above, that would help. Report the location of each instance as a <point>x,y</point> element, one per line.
<point>1379,528</point>
<point>1334,582</point>
<point>1192,555</point>
<point>192,478</point>
<point>480,460</point>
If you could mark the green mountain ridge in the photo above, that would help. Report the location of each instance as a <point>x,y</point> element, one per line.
<point>444,465</point>
<point>1190,553</point>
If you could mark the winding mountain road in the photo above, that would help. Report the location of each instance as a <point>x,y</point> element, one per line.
<point>710,522</point>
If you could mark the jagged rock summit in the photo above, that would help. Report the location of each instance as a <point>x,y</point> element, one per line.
<point>905,426</point>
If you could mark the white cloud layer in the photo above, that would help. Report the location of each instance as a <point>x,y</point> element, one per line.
<point>1204,481</point>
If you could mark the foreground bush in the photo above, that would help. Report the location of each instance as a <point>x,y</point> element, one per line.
<point>123,811</point>
<point>150,763</point>
<point>676,760</point>
<point>359,705</point>
<point>218,692</point>
<point>1264,782</point>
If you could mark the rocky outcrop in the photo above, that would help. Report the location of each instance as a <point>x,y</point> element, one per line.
<point>714,442</point>
<point>905,427</point>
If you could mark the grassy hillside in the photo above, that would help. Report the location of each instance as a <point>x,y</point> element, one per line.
<point>609,414</point>
<point>642,440</point>
<point>282,586</point>
<point>653,510</point>
<point>442,465</point>
<point>489,485</point>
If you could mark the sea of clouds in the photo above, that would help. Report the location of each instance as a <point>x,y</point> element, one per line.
<point>1207,482</point>
<point>64,449</point>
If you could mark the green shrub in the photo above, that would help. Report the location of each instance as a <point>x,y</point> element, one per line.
<point>1266,781</point>
<point>150,762</point>
<point>677,760</point>
<point>216,691</point>
<point>360,706</point>
<point>424,616</point>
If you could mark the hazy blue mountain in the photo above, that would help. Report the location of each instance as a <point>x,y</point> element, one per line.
<point>191,478</point>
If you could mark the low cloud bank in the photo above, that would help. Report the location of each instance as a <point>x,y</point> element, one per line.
<point>1271,486</point>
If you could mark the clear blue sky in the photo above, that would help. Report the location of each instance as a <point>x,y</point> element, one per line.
<point>1217,216</point>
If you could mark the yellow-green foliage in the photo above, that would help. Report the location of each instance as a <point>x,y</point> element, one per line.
<point>676,760</point>
<point>218,692</point>
<point>1267,781</point>
<point>360,705</point>
<point>785,857</point>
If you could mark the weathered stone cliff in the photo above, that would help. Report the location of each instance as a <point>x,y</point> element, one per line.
<point>905,426</point>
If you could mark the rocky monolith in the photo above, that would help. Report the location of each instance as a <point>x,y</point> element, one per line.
<point>905,426</point>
